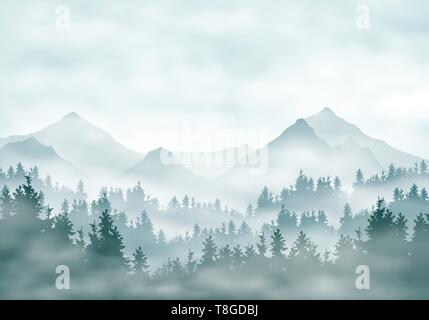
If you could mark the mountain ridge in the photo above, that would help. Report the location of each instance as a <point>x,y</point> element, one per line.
<point>335,130</point>
<point>31,152</point>
<point>88,147</point>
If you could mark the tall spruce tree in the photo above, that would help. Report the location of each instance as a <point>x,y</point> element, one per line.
<point>237,257</point>
<point>63,227</point>
<point>250,252</point>
<point>398,194</point>
<point>304,251</point>
<point>110,242</point>
<point>346,221</point>
<point>423,168</point>
<point>6,203</point>
<point>262,247</point>
<point>27,202</point>
<point>277,245</point>
<point>191,263</point>
<point>413,194</point>
<point>225,255</point>
<point>80,241</point>
<point>139,264</point>
<point>209,252</point>
<point>381,228</point>
<point>359,181</point>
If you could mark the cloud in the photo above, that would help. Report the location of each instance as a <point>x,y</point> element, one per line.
<point>157,64</point>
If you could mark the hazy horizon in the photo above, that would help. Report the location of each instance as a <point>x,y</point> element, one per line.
<point>158,65</point>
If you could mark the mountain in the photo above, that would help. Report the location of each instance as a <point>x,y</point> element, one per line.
<point>31,152</point>
<point>335,131</point>
<point>162,173</point>
<point>297,148</point>
<point>91,149</point>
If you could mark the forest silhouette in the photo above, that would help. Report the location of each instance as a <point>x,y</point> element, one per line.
<point>113,256</point>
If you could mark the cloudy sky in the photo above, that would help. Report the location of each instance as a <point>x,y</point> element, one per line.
<point>146,67</point>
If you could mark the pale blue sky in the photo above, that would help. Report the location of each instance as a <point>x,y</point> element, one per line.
<point>140,68</point>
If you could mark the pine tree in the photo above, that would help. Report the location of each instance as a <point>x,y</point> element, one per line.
<point>80,191</point>
<point>380,225</point>
<point>346,220</point>
<point>326,261</point>
<point>6,203</point>
<point>359,240</point>
<point>48,182</point>
<point>231,228</point>
<point>419,247</point>
<point>250,252</point>
<point>20,171</point>
<point>27,202</point>
<point>144,227</point>
<point>103,204</point>
<point>110,241</point>
<point>391,172</point>
<point>237,257</point>
<point>398,194</point>
<point>344,249</point>
<point>173,204</point>
<point>265,200</point>
<point>337,185</point>
<point>80,241</point>
<point>35,173</point>
<point>423,168</point>
<point>249,211</point>
<point>421,230</point>
<point>93,237</point>
<point>177,270</point>
<point>262,247</point>
<point>286,220</point>
<point>225,255</point>
<point>63,227</point>
<point>414,193</point>
<point>284,195</point>
<point>191,263</point>
<point>277,245</point>
<point>359,179</point>
<point>424,195</point>
<point>65,207</point>
<point>139,264</point>
<point>400,226</point>
<point>244,229</point>
<point>304,251</point>
<point>209,252</point>
<point>217,205</point>
<point>10,173</point>
<point>196,233</point>
<point>185,202</point>
<point>322,218</point>
<point>161,238</point>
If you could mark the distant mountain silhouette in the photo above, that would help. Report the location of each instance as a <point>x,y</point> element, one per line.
<point>323,144</point>
<point>300,133</point>
<point>160,170</point>
<point>88,147</point>
<point>335,131</point>
<point>299,148</point>
<point>31,152</point>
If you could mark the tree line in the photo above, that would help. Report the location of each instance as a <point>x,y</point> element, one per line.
<point>34,237</point>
